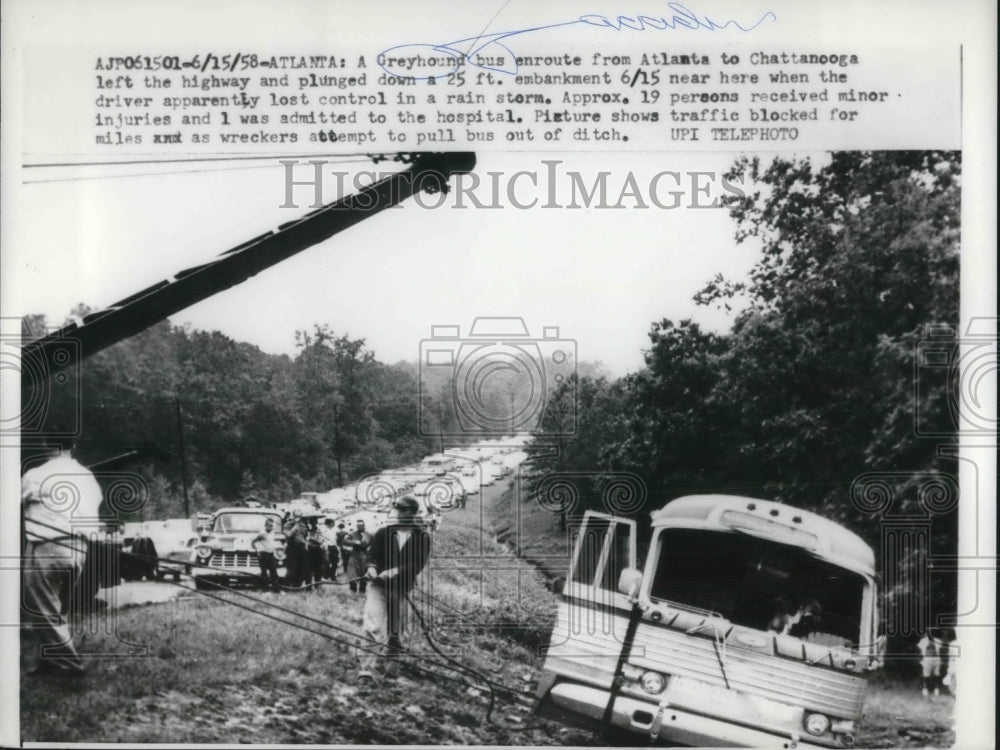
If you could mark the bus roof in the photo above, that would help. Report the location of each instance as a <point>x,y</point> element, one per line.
<point>784,523</point>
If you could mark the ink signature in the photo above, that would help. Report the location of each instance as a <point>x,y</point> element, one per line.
<point>401,59</point>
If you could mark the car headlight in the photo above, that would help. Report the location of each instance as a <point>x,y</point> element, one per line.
<point>817,724</point>
<point>203,552</point>
<point>652,682</point>
<point>279,554</point>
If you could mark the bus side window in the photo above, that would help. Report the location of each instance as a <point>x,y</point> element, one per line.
<point>604,547</point>
<point>619,556</point>
<point>590,543</point>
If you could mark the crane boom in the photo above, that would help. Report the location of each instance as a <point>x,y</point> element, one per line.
<point>127,317</point>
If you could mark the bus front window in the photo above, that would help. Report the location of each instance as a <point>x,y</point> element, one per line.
<point>760,584</point>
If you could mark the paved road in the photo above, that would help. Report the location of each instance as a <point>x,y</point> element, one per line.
<point>132,593</point>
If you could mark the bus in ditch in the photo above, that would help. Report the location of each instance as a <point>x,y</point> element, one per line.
<point>751,624</point>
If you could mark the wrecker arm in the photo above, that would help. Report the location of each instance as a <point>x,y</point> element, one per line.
<point>127,317</point>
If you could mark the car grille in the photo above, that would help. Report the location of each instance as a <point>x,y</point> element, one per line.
<point>234,560</point>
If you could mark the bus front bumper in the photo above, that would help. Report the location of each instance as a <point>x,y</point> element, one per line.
<point>584,706</point>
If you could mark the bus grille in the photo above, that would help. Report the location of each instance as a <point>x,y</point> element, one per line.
<point>787,680</point>
<point>586,642</point>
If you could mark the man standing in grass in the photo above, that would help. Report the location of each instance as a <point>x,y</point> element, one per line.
<point>296,553</point>
<point>396,555</point>
<point>332,549</point>
<point>264,544</point>
<point>341,536</point>
<point>355,547</point>
<point>55,496</point>
<point>930,663</point>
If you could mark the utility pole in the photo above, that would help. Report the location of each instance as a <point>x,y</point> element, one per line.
<point>440,412</point>
<point>180,446</point>
<point>511,394</point>
<point>336,445</point>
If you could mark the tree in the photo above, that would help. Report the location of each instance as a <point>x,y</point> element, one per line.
<point>859,256</point>
<point>584,420</point>
<point>335,376</point>
<point>813,389</point>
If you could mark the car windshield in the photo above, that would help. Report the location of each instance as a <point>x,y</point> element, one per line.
<point>760,584</point>
<point>227,523</point>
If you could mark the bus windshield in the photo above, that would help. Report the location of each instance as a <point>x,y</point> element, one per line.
<point>759,583</point>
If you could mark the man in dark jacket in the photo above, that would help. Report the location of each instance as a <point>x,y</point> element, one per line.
<point>296,552</point>
<point>317,560</point>
<point>396,555</point>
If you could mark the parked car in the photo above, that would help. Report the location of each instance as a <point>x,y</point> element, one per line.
<point>177,560</point>
<point>224,553</point>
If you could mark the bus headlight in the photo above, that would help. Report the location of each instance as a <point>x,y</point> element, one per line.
<point>279,555</point>
<point>652,682</point>
<point>203,552</point>
<point>817,724</point>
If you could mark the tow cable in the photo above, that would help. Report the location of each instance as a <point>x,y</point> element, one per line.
<point>372,647</point>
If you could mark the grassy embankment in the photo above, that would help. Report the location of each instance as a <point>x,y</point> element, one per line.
<point>215,673</point>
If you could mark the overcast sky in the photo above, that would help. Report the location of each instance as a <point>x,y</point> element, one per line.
<point>600,275</point>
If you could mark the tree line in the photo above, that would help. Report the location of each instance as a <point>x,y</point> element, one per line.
<point>818,396</point>
<point>229,420</point>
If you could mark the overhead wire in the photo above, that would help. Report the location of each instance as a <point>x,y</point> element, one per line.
<point>366,157</point>
<point>164,173</point>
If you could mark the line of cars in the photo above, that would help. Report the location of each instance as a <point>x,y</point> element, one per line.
<point>219,546</point>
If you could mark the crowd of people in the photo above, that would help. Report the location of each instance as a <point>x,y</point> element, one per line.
<point>314,551</point>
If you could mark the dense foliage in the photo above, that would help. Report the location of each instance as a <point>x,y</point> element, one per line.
<point>249,422</point>
<point>816,396</point>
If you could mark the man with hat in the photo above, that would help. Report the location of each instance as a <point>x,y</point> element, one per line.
<point>396,555</point>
